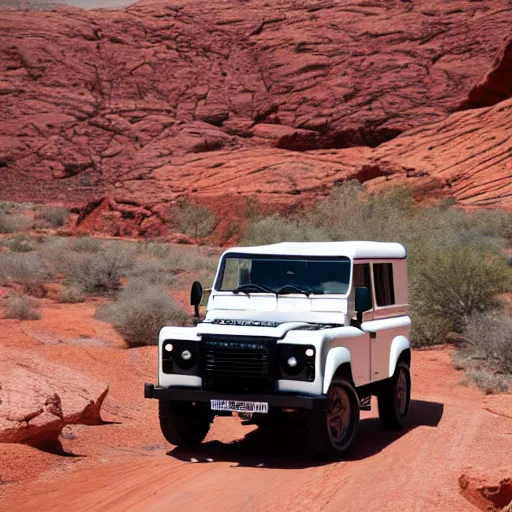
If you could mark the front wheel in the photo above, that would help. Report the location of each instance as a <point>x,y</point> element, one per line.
<point>395,398</point>
<point>184,424</point>
<point>333,431</point>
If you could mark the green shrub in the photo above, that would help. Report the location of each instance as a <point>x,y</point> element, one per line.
<point>193,219</point>
<point>55,216</point>
<point>12,223</point>
<point>71,294</point>
<point>153,271</point>
<point>428,329</point>
<point>454,283</point>
<point>140,311</point>
<point>22,307</point>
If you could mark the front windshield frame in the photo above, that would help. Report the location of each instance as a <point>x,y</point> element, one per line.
<point>234,255</point>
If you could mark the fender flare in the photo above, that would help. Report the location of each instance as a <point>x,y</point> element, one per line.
<point>335,357</point>
<point>398,345</point>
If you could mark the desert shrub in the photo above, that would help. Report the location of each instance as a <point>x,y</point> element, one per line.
<point>71,294</point>
<point>22,307</point>
<point>428,329</point>
<point>140,311</point>
<point>55,216</point>
<point>489,383</point>
<point>490,337</point>
<point>97,272</point>
<point>21,243</point>
<point>274,228</point>
<point>454,283</point>
<point>12,223</point>
<point>85,244</point>
<point>193,219</point>
<point>153,271</point>
<point>28,269</point>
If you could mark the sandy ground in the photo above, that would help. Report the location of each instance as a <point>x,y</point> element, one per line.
<point>127,465</point>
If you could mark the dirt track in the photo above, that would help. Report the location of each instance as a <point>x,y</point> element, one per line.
<point>125,465</point>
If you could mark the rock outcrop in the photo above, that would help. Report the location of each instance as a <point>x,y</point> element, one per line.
<point>38,398</point>
<point>275,100</point>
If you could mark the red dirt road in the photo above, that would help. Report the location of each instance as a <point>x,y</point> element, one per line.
<point>453,430</point>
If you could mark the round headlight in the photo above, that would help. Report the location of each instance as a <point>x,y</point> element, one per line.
<point>292,362</point>
<point>169,347</point>
<point>186,355</point>
<point>310,352</point>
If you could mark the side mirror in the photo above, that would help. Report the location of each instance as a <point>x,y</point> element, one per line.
<point>196,294</point>
<point>363,302</point>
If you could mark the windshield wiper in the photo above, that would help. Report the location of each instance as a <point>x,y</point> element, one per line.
<point>246,288</point>
<point>291,288</point>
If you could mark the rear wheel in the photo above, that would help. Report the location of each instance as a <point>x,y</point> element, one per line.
<point>395,398</point>
<point>333,431</point>
<point>184,423</point>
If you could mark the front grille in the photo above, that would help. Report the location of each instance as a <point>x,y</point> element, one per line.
<point>237,364</point>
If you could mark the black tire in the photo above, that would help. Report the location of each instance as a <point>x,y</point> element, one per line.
<point>395,398</point>
<point>332,432</point>
<point>184,424</point>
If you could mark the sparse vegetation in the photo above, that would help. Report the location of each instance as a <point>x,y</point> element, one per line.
<point>13,223</point>
<point>27,269</point>
<point>55,216</point>
<point>140,311</point>
<point>71,294</point>
<point>22,307</point>
<point>193,219</point>
<point>489,383</point>
<point>22,243</point>
<point>489,337</point>
<point>456,266</point>
<point>85,244</point>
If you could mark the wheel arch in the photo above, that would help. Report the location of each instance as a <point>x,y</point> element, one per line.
<point>400,350</point>
<point>338,362</point>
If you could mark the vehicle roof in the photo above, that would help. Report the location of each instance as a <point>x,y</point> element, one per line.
<point>353,250</point>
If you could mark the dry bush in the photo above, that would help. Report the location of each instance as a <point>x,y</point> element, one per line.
<point>71,294</point>
<point>153,271</point>
<point>489,383</point>
<point>22,243</point>
<point>85,244</point>
<point>490,337</point>
<point>193,219</point>
<point>140,311</point>
<point>55,216</point>
<point>13,223</point>
<point>28,269</point>
<point>22,307</point>
<point>98,272</point>
<point>268,230</point>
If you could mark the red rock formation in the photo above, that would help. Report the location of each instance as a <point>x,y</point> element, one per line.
<point>38,398</point>
<point>497,85</point>
<point>270,100</point>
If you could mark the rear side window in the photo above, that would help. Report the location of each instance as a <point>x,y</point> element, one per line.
<point>383,279</point>
<point>362,275</point>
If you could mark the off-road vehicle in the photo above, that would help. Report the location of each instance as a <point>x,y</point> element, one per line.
<point>311,329</point>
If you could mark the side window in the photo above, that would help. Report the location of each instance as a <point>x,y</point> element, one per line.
<point>384,289</point>
<point>361,276</point>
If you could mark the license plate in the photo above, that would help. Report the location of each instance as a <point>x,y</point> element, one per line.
<point>238,406</point>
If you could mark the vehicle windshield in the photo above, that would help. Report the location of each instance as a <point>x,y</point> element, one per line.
<point>284,274</point>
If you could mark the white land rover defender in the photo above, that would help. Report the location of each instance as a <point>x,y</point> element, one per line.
<point>313,329</point>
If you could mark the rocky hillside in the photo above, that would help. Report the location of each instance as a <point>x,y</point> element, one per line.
<point>277,100</point>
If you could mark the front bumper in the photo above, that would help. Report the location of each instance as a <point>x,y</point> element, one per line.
<point>291,401</point>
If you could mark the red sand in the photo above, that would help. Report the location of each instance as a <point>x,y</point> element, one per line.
<point>126,465</point>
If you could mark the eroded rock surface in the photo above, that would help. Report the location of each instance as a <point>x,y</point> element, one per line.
<point>275,100</point>
<point>38,398</point>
